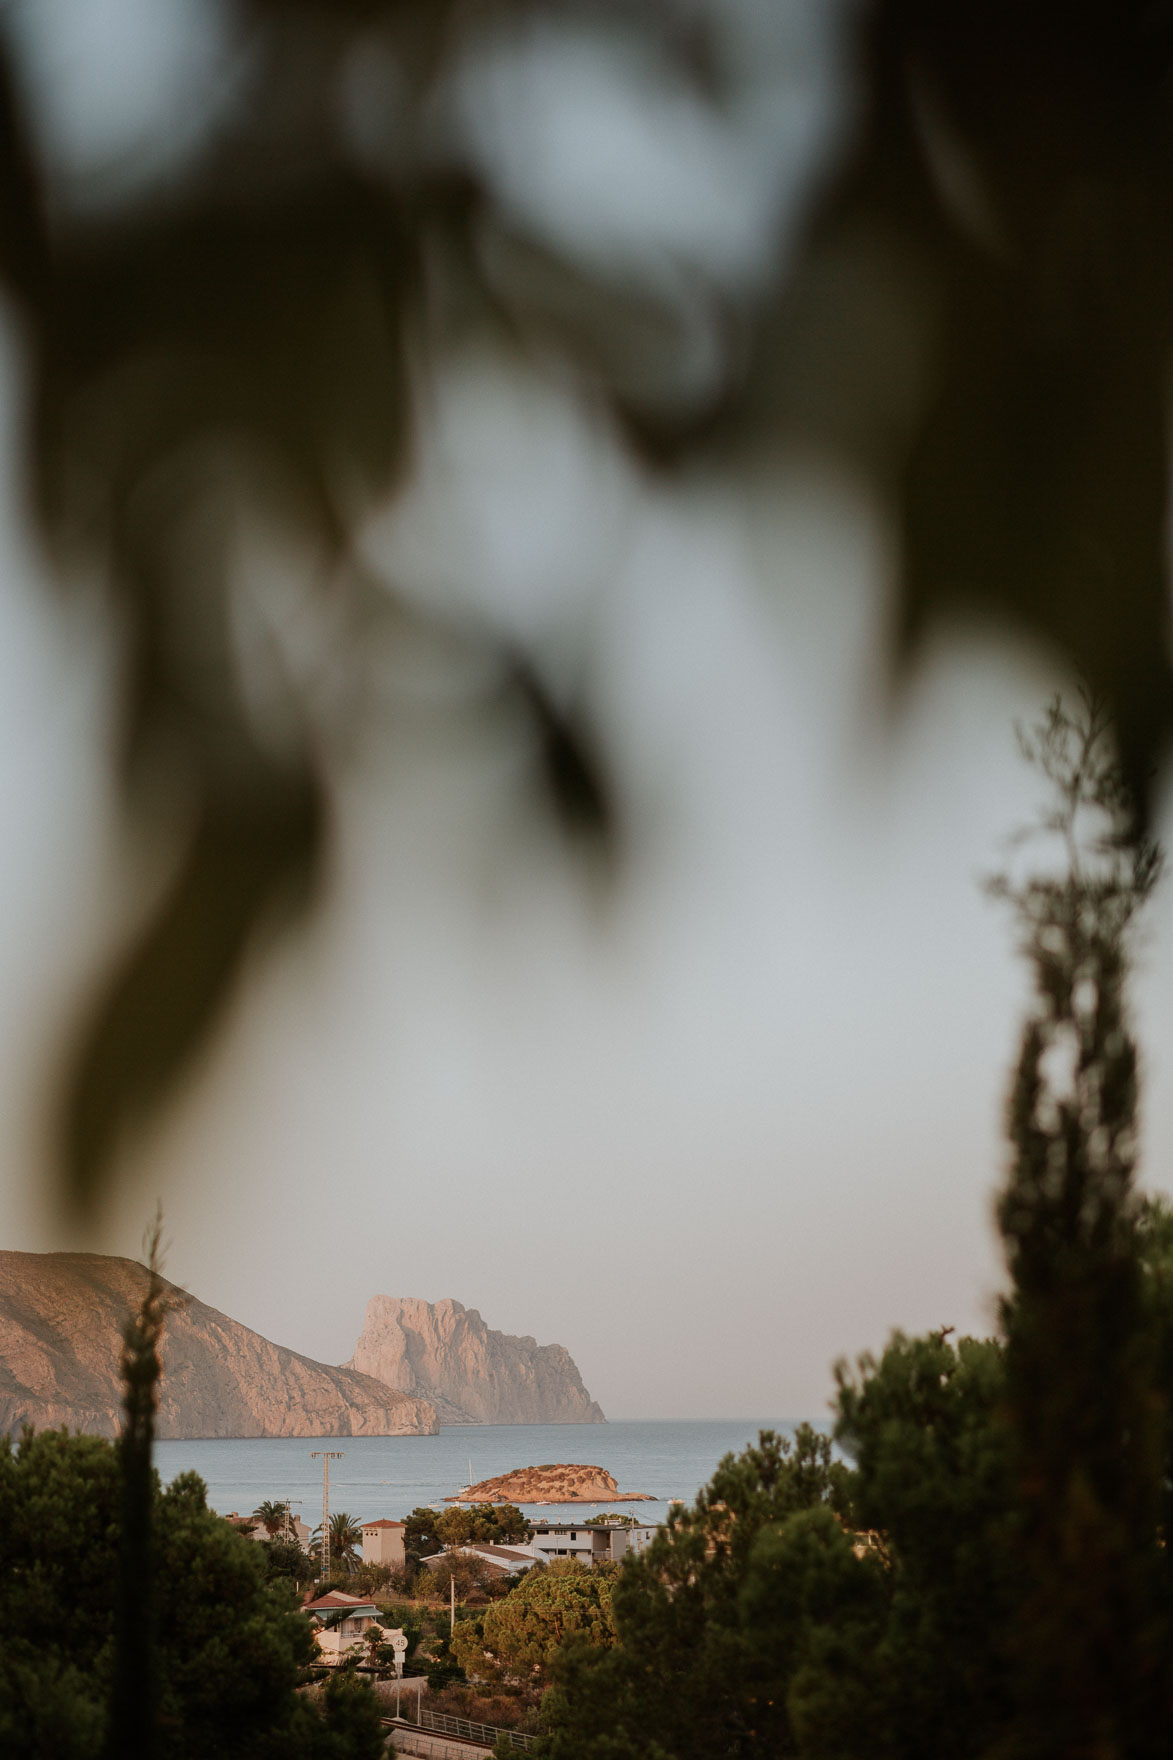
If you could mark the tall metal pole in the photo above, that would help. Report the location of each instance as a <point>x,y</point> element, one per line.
<point>326,1455</point>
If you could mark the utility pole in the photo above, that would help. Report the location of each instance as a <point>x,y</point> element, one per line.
<point>326,1455</point>
<point>287,1531</point>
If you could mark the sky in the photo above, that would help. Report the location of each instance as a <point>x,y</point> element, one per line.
<point>711,1126</point>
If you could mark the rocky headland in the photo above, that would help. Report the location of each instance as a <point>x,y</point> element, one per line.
<point>444,1353</point>
<point>61,1317</point>
<point>561,1482</point>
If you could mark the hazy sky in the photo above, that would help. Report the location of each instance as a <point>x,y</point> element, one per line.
<point>710,1130</point>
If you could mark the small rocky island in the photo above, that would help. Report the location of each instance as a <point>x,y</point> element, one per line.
<point>559,1483</point>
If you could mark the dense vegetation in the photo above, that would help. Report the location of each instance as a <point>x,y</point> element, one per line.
<point>231,1649</point>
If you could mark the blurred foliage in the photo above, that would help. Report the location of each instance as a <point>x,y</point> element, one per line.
<point>972,309</point>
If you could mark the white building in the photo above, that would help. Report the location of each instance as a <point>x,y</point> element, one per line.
<point>591,1543</point>
<point>382,1543</point>
<point>341,1624</point>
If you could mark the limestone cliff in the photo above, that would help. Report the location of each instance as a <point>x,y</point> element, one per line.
<point>61,1316</point>
<point>471,1374</point>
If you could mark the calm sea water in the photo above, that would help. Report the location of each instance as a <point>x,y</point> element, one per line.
<point>390,1475</point>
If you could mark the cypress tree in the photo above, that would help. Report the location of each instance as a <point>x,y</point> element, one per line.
<point>1085,1420</point>
<point>134,1699</point>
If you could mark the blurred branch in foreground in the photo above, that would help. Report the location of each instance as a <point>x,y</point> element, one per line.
<point>935,241</point>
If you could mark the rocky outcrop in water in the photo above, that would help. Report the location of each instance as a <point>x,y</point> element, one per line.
<point>562,1482</point>
<point>446,1354</point>
<point>61,1317</point>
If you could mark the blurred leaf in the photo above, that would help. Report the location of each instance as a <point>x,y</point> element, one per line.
<point>980,318</point>
<point>1002,236</point>
<point>23,246</point>
<point>242,868</point>
<point>577,786</point>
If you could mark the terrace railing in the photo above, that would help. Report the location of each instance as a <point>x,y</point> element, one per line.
<point>486,1734</point>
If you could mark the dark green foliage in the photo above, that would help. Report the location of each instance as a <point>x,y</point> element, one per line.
<point>933,1499</point>
<point>273,1517</point>
<point>692,1672</point>
<point>802,1609</point>
<point>345,1546</point>
<point>231,1648</point>
<point>285,1558</point>
<point>499,1523</point>
<point>346,1724</point>
<point>420,1539</point>
<point>442,1671</point>
<point>494,1523</point>
<point>442,1668</point>
<point>1085,1407</point>
<point>60,1509</point>
<point>408,1621</point>
<point>516,1638</point>
<point>134,1701</point>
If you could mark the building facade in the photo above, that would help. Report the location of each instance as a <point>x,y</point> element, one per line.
<point>382,1543</point>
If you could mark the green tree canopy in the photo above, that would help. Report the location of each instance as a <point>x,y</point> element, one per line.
<point>272,1517</point>
<point>689,1672</point>
<point>494,1523</point>
<point>499,1523</point>
<point>519,1635</point>
<point>420,1538</point>
<point>454,1527</point>
<point>345,1542</point>
<point>232,1646</point>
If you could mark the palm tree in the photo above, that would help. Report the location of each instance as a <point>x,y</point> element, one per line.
<point>345,1542</point>
<point>272,1517</point>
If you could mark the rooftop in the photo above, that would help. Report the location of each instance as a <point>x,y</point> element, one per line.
<point>382,1523</point>
<point>336,1602</point>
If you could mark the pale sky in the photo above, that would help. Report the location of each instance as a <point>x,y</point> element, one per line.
<point>709,1131</point>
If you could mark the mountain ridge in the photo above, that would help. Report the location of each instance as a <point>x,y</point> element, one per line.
<point>61,1316</point>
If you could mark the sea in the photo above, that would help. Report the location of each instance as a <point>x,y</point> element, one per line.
<point>390,1476</point>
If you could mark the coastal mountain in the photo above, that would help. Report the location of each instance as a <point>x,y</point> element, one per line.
<point>61,1317</point>
<point>444,1353</point>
